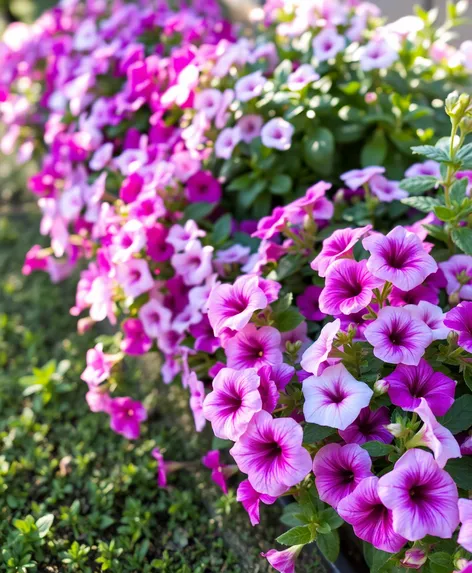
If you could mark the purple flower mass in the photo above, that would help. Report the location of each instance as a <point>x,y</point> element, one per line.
<point>335,398</point>
<point>397,337</point>
<point>399,258</point>
<point>422,497</point>
<point>339,470</point>
<point>270,452</point>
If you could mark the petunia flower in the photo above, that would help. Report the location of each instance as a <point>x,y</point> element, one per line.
<point>458,273</point>
<point>250,127</point>
<point>283,561</point>
<point>232,306</point>
<point>155,317</point>
<point>465,515</point>
<point>226,142</point>
<point>415,558</point>
<point>434,436</point>
<point>357,178</point>
<point>250,86</point>
<point>371,520</point>
<point>460,320</point>
<point>370,425</point>
<point>327,44</point>
<point>135,277</point>
<point>422,497</point>
<point>179,236</point>
<point>233,402</point>
<point>377,54</point>
<point>251,499</point>
<point>197,396</point>
<point>340,245</point>
<point>126,416</point>
<point>314,357</point>
<point>268,389</point>
<point>429,167</point>
<point>194,264</point>
<point>135,341</point>
<point>399,258</point>
<point>348,287</point>
<point>408,384</point>
<point>335,398</point>
<point>253,348</point>
<point>277,134</point>
<point>219,471</point>
<point>386,190</point>
<point>307,303</point>
<point>98,367</point>
<point>202,186</point>
<point>302,76</point>
<point>270,452</point>
<point>339,470</point>
<point>397,337</point>
<point>161,467</point>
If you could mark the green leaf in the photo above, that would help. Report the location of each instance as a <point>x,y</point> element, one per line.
<point>458,190</point>
<point>280,185</point>
<point>222,229</point>
<point>418,185</point>
<point>468,377</point>
<point>330,517</point>
<point>431,152</point>
<point>318,150</point>
<point>441,558</point>
<point>379,559</point>
<point>329,545</point>
<point>459,415</point>
<point>198,211</point>
<point>220,444</point>
<point>299,535</point>
<point>313,433</point>
<point>288,319</point>
<point>282,303</point>
<point>460,469</point>
<point>424,204</point>
<point>282,71</point>
<point>462,237</point>
<point>436,231</point>
<point>465,153</point>
<point>292,515</point>
<point>286,267</point>
<point>44,524</point>
<point>376,448</point>
<point>247,197</point>
<point>241,183</point>
<point>374,151</point>
<point>444,213</point>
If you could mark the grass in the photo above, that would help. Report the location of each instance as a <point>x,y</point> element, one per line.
<point>73,495</point>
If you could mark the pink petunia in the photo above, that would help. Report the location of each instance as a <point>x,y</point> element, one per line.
<point>335,398</point>
<point>348,287</point>
<point>232,306</point>
<point>277,134</point>
<point>226,142</point>
<point>250,86</point>
<point>270,452</point>
<point>370,425</point>
<point>314,357</point>
<point>302,76</point>
<point>397,337</point>
<point>460,320</point>
<point>377,54</point>
<point>135,277</point>
<point>235,399</point>
<point>371,520</point>
<point>161,467</point>
<point>432,316</point>
<point>422,497</point>
<point>429,167</point>
<point>399,258</point>
<point>135,341</point>
<point>339,470</point>
<point>253,348</point>
<point>194,264</point>
<point>219,475</point>
<point>156,318</point>
<point>327,44</point>
<point>465,515</point>
<point>126,416</point>
<point>197,396</point>
<point>339,245</point>
<point>251,499</point>
<point>357,178</point>
<point>98,366</point>
<point>408,384</point>
<point>283,561</point>
<point>386,190</point>
<point>202,186</point>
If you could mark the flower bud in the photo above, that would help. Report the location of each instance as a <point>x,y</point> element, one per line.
<point>381,387</point>
<point>397,430</point>
<point>370,97</point>
<point>414,558</point>
<point>451,101</point>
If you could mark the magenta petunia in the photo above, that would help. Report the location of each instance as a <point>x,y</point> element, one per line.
<point>135,277</point>
<point>465,515</point>
<point>371,520</point>
<point>98,367</point>
<point>232,306</point>
<point>314,202</point>
<point>251,499</point>
<point>339,470</point>
<point>338,246</point>
<point>408,384</point>
<point>335,398</point>
<point>397,337</point>
<point>460,320</point>
<point>202,186</point>
<point>272,224</point>
<point>126,416</point>
<point>135,340</point>
<point>219,475</point>
<point>370,425</point>
<point>434,436</point>
<point>399,258</point>
<point>232,404</point>
<point>253,348</point>
<point>270,452</point>
<point>283,561</point>
<point>422,497</point>
<point>348,288</point>
<point>421,293</point>
<point>161,467</point>
<point>307,303</point>
<point>386,190</point>
<point>318,352</point>
<point>268,389</point>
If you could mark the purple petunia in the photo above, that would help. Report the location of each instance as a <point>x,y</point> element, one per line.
<point>460,320</point>
<point>370,425</point>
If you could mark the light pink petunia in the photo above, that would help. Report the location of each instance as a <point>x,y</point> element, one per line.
<point>318,352</point>
<point>270,452</point>
<point>339,470</point>
<point>98,367</point>
<point>232,306</point>
<point>327,44</point>
<point>135,277</point>
<point>302,76</point>
<point>232,404</point>
<point>156,318</point>
<point>422,497</point>
<point>400,258</point>
<point>194,264</point>
<point>386,190</point>
<point>371,520</point>
<point>335,398</point>
<point>397,337</point>
<point>357,178</point>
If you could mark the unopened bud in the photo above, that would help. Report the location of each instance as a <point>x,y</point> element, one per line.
<point>414,558</point>
<point>451,101</point>
<point>466,125</point>
<point>370,97</point>
<point>381,387</point>
<point>397,430</point>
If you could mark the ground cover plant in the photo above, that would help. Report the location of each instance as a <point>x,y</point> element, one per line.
<point>249,210</point>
